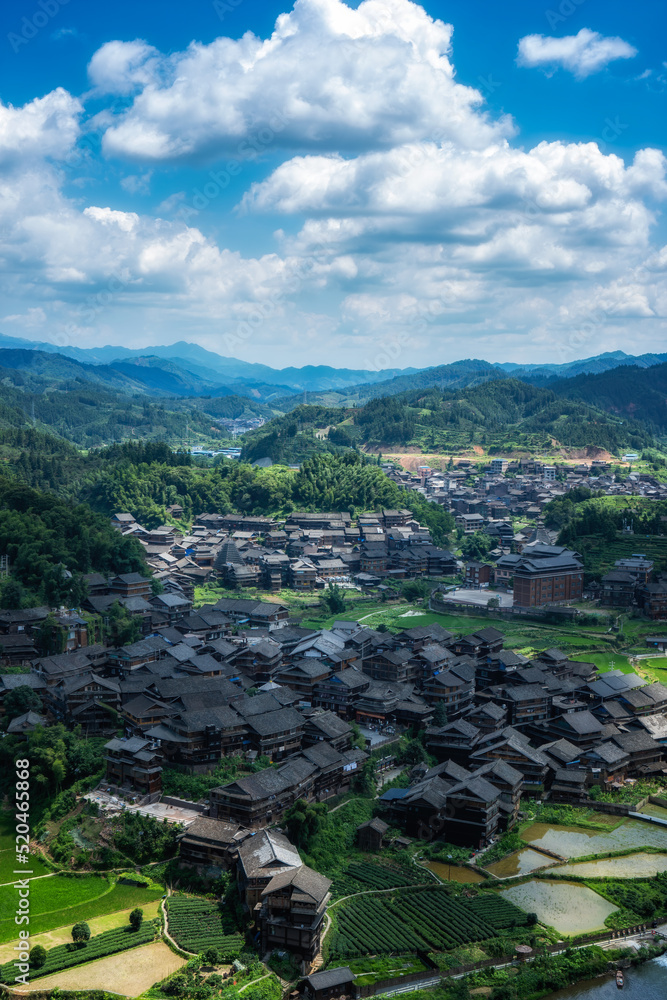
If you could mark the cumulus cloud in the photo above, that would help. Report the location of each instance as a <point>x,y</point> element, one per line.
<point>328,78</point>
<point>121,67</point>
<point>561,207</point>
<point>83,261</point>
<point>45,127</point>
<point>582,54</point>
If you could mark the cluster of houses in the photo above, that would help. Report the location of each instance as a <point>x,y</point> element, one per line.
<point>238,678</point>
<point>465,490</point>
<point>303,553</point>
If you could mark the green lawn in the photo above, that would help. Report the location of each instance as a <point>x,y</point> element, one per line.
<point>8,853</point>
<point>59,901</point>
<point>611,661</point>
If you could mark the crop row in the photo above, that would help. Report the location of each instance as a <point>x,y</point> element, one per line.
<point>197,924</point>
<point>64,956</point>
<point>424,919</point>
<point>497,911</point>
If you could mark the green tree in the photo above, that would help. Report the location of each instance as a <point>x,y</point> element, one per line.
<point>20,700</point>
<point>303,820</point>
<point>440,714</point>
<point>136,918</point>
<point>334,599</point>
<point>50,637</point>
<point>413,589</point>
<point>12,594</point>
<point>476,546</point>
<point>363,782</point>
<point>123,628</point>
<point>81,933</point>
<point>37,956</point>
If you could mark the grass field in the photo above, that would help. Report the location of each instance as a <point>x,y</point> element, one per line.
<point>611,661</point>
<point>98,925</point>
<point>8,866</point>
<point>8,853</point>
<point>128,973</point>
<point>60,901</point>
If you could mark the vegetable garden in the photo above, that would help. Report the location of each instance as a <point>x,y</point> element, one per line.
<point>198,924</point>
<point>422,919</point>
<point>64,956</point>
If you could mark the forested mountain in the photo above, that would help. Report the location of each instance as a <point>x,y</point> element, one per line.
<point>51,543</point>
<point>630,392</point>
<point>183,359</point>
<point>500,415</point>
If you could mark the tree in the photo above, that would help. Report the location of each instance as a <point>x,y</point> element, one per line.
<point>123,629</point>
<point>211,956</point>
<point>50,637</point>
<point>12,594</point>
<point>476,546</point>
<point>413,589</point>
<point>20,700</point>
<point>37,956</point>
<point>364,781</point>
<point>334,599</point>
<point>81,933</point>
<point>136,918</point>
<point>303,820</point>
<point>493,602</point>
<point>440,714</point>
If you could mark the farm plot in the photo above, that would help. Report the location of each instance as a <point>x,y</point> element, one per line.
<point>132,972</point>
<point>65,956</point>
<point>198,924</point>
<point>59,901</point>
<point>363,875</point>
<point>418,920</point>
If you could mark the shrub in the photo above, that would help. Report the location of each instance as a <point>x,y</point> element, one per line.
<point>80,933</point>
<point>37,956</point>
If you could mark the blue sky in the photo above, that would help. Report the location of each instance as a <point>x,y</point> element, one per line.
<point>416,194</point>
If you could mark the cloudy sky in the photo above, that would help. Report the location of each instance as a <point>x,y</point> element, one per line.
<point>375,184</point>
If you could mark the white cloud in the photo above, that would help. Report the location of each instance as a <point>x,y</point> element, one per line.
<point>415,231</point>
<point>137,183</point>
<point>561,207</point>
<point>121,67</point>
<point>45,127</point>
<point>581,54</point>
<point>34,318</point>
<point>328,78</point>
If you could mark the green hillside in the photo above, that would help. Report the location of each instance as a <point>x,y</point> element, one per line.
<point>501,416</point>
<point>631,392</point>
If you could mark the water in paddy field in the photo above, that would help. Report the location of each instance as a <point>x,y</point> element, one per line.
<point>568,907</point>
<point>453,873</point>
<point>519,863</point>
<point>573,841</point>
<point>630,866</point>
<point>646,982</point>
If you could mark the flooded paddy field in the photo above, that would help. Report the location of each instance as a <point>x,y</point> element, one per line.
<point>574,841</point>
<point>453,873</point>
<point>520,863</point>
<point>569,908</point>
<point>631,866</point>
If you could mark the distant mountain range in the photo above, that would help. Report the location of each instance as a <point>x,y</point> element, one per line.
<point>189,369</point>
<point>184,369</point>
